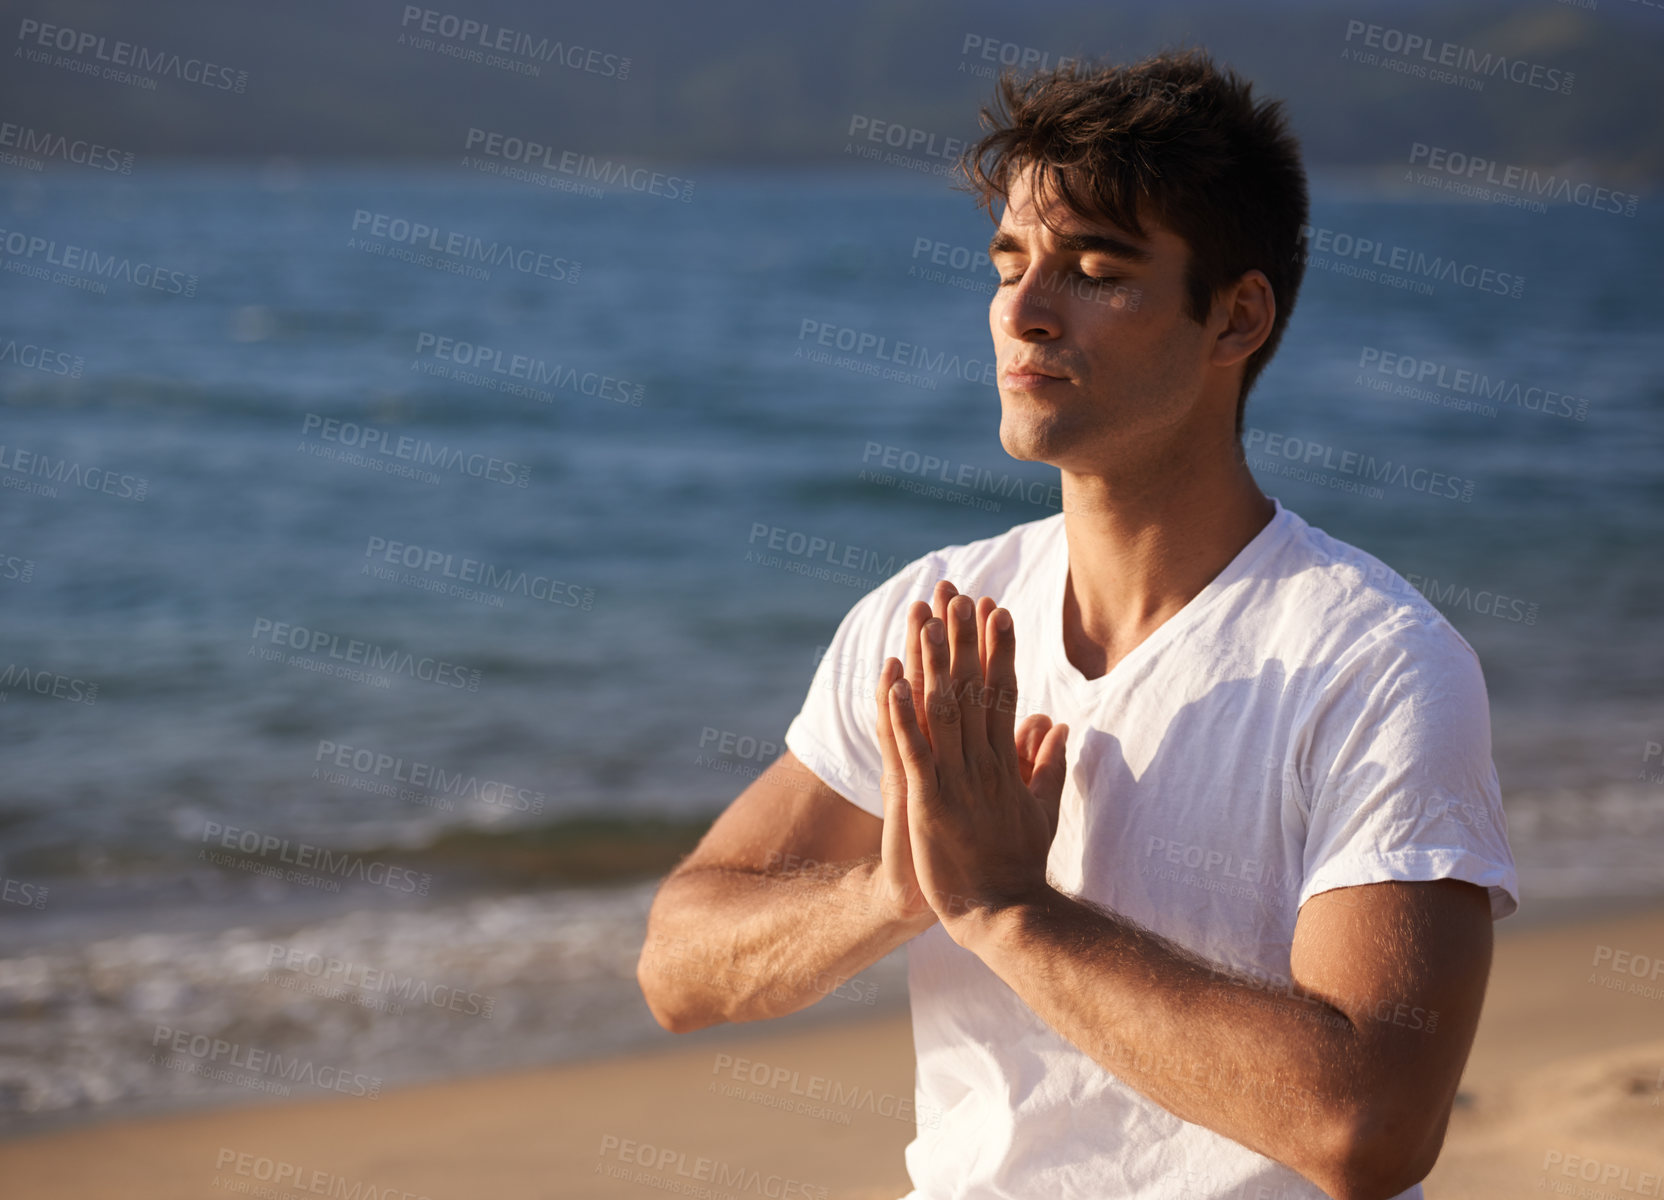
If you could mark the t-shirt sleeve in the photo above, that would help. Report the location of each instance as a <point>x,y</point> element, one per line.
<point>833,733</point>
<point>1397,770</point>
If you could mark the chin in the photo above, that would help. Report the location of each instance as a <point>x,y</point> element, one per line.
<point>1031,439</point>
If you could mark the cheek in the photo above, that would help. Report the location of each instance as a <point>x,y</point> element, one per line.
<point>1147,356</point>
<point>1158,336</point>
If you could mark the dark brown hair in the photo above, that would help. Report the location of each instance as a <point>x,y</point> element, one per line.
<point>1174,138</point>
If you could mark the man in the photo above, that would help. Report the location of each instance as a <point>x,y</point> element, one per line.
<point>1220,923</point>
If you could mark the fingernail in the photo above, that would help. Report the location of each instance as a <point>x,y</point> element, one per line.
<point>934,631</point>
<point>1002,621</point>
<point>901,691</point>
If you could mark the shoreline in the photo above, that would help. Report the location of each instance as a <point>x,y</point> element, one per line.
<point>1532,917</point>
<point>1567,1071</point>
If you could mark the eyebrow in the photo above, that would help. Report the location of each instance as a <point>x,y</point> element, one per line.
<point>1075,243</point>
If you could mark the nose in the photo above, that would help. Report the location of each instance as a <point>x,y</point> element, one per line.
<point>1024,310</point>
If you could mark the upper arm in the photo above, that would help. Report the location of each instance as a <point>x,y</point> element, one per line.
<point>1396,764</point>
<point>1407,963</point>
<point>788,818</point>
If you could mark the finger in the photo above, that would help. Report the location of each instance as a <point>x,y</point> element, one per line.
<point>1050,765</point>
<point>939,601</point>
<point>1029,736</point>
<point>945,591</point>
<point>917,759</point>
<point>1002,685</point>
<point>917,614</point>
<point>965,668</point>
<point>1030,733</point>
<point>891,757</point>
<point>941,710</point>
<point>984,606</point>
<point>894,845</point>
<point>923,776</point>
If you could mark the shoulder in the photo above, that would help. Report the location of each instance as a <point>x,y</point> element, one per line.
<point>1346,607</point>
<point>1358,643</point>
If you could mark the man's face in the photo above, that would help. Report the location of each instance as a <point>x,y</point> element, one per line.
<point>1105,313</point>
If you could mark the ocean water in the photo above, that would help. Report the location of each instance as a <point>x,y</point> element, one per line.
<point>436,586</point>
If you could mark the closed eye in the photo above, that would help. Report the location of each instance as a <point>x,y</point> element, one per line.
<point>1094,279</point>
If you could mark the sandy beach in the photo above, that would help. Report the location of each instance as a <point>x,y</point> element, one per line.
<point>1564,1094</point>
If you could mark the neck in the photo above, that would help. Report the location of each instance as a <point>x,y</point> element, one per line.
<point>1143,543</point>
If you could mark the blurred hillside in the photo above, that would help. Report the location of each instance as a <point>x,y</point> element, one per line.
<point>744,81</point>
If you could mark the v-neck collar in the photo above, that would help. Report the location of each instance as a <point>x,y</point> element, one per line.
<point>1066,673</point>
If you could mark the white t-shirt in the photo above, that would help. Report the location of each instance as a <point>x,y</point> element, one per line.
<point>1308,721</point>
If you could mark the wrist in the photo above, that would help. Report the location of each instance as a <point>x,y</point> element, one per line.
<point>872,893</point>
<point>990,930</point>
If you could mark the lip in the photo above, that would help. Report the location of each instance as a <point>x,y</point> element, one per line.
<point>1023,376</point>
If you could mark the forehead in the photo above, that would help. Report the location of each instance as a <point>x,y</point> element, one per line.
<point>1021,221</point>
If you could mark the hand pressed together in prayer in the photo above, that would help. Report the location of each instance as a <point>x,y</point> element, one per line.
<point>970,799</point>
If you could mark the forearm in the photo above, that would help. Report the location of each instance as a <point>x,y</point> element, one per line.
<point>733,945</point>
<point>1278,1071</point>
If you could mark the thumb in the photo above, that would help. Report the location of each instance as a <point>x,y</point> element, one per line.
<point>1050,764</point>
<point>1028,738</point>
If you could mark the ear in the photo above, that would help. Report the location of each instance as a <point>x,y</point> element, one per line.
<point>1249,311</point>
